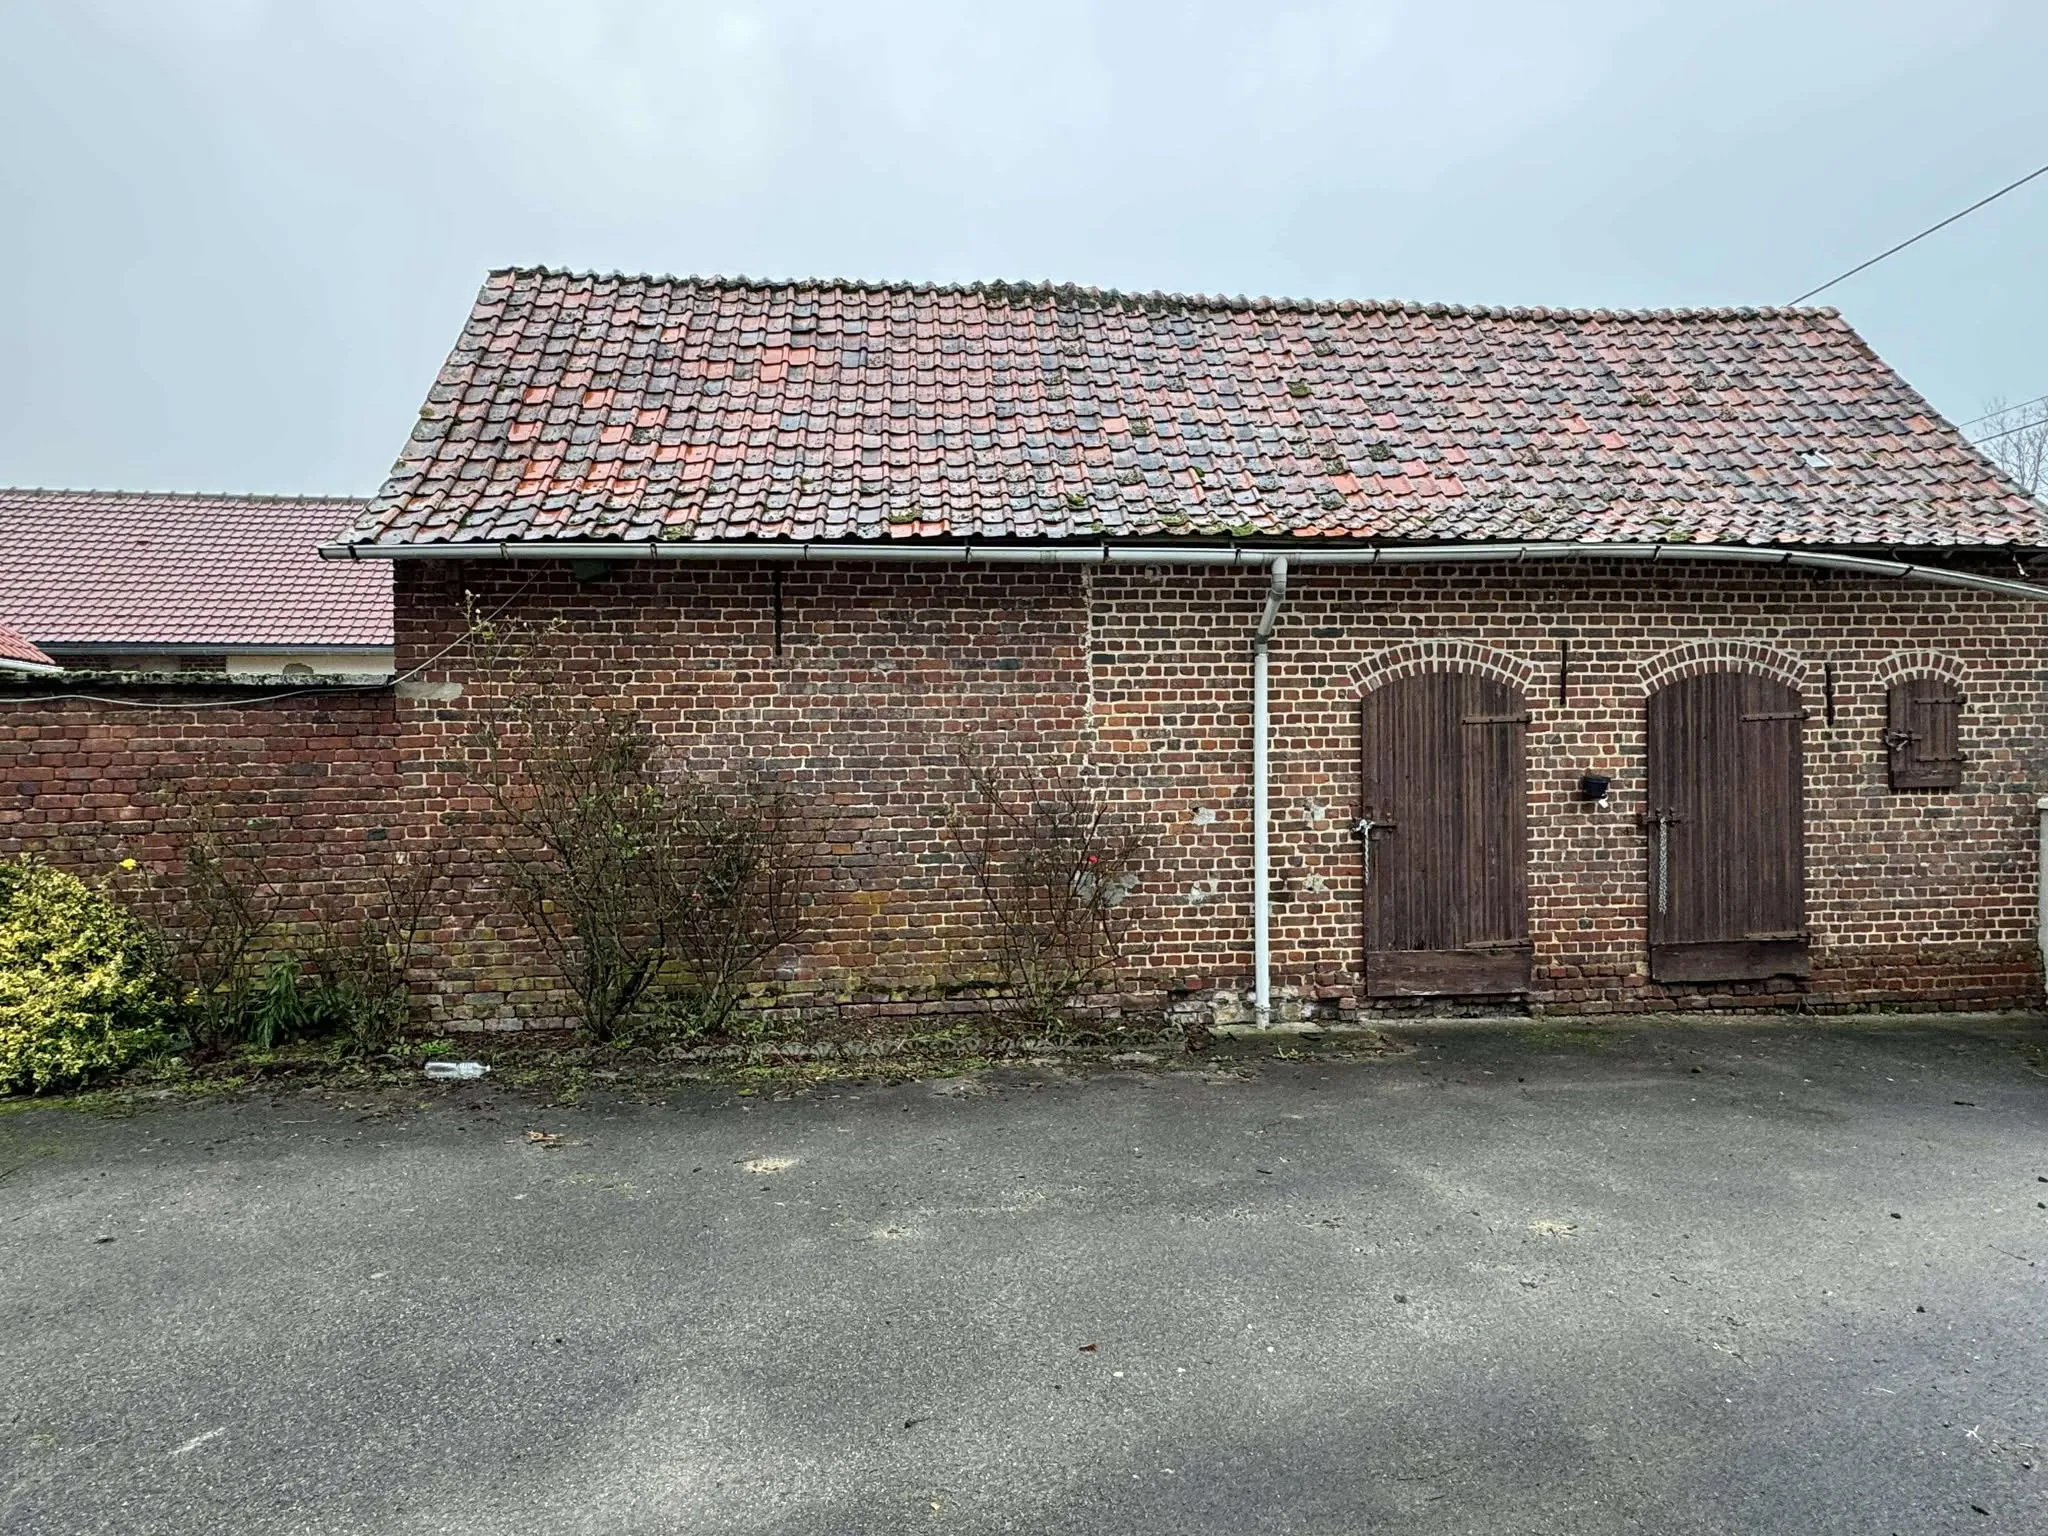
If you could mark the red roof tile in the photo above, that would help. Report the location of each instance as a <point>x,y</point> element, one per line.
<point>122,567</point>
<point>19,654</point>
<point>585,407</point>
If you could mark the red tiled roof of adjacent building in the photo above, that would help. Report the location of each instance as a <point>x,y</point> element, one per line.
<point>19,654</point>
<point>149,568</point>
<point>635,408</point>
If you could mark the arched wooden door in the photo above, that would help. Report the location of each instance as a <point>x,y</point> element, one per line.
<point>1726,819</point>
<point>1444,828</point>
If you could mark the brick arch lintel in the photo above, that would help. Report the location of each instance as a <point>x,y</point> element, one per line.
<point>1702,656</point>
<point>1414,657</point>
<point>1904,664</point>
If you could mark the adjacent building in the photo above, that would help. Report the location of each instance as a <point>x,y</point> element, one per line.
<point>206,587</point>
<point>18,654</point>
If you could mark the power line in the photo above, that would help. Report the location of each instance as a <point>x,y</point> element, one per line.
<point>2009,431</point>
<point>2004,410</point>
<point>1930,229</point>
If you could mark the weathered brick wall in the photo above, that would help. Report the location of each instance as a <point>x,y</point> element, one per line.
<point>304,786</point>
<point>1140,678</point>
<point>1919,896</point>
<point>883,676</point>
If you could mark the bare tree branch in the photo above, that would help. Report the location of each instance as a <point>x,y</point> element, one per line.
<point>2015,438</point>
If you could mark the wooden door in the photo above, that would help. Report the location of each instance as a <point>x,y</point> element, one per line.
<point>1444,826</point>
<point>1727,830</point>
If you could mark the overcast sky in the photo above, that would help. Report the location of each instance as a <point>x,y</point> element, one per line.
<point>241,234</point>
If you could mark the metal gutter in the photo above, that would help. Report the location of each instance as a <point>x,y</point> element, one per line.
<point>1304,553</point>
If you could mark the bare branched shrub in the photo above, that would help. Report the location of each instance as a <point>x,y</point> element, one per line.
<point>360,982</point>
<point>256,966</point>
<point>586,856</point>
<point>219,924</point>
<point>731,891</point>
<point>1054,865</point>
<point>644,882</point>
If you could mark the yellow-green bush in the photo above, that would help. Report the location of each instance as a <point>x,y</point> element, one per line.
<point>81,991</point>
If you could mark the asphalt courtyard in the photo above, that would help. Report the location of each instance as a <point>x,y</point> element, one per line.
<point>1722,1277</point>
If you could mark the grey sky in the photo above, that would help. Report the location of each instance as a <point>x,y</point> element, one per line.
<point>240,234</point>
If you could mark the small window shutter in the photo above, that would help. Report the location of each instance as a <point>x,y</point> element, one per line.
<point>1923,735</point>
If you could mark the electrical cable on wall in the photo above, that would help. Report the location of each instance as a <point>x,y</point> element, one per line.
<point>294,693</point>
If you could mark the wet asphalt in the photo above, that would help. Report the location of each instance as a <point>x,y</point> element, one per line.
<point>1722,1277</point>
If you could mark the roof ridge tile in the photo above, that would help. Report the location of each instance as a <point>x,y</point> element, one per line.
<point>1045,288</point>
<point>107,492</point>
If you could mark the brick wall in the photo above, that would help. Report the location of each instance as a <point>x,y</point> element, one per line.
<point>1140,679</point>
<point>1925,897</point>
<point>883,674</point>
<point>306,784</point>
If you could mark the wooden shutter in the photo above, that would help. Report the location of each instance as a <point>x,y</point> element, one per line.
<point>1923,734</point>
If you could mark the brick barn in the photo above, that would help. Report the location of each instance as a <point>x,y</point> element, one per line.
<point>1582,661</point>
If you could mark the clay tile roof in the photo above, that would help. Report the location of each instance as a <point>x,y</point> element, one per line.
<point>19,654</point>
<point>583,407</point>
<point>124,567</point>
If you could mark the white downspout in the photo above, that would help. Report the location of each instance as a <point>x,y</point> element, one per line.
<point>1262,843</point>
<point>2041,881</point>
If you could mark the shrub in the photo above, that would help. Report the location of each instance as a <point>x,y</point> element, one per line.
<point>82,991</point>
<point>248,977</point>
<point>226,911</point>
<point>729,892</point>
<point>588,823</point>
<point>352,982</point>
<point>656,894</point>
<point>1054,864</point>
<point>643,882</point>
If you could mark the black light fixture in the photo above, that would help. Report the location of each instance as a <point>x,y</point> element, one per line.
<point>1593,786</point>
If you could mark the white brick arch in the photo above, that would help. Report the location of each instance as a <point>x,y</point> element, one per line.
<point>1901,665</point>
<point>1414,657</point>
<point>1703,656</point>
